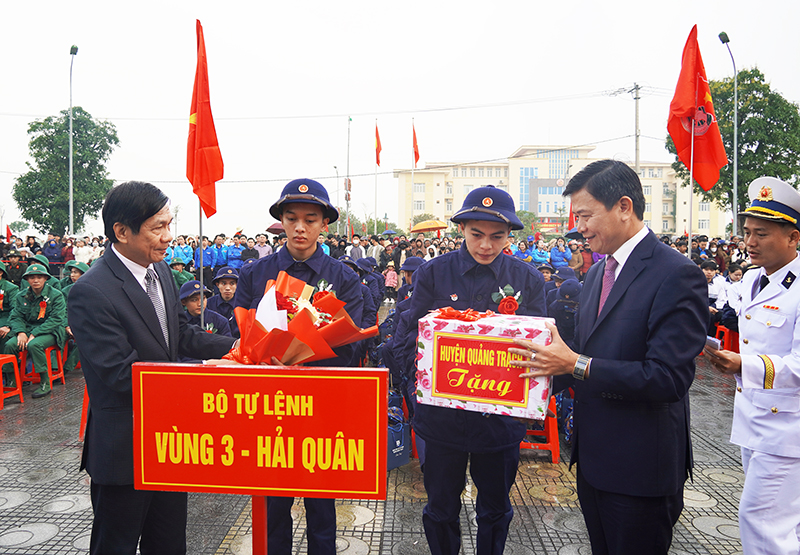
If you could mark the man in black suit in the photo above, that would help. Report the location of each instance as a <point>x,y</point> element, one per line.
<point>125,310</point>
<point>641,322</point>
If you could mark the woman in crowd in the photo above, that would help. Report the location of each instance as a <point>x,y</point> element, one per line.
<point>739,255</point>
<point>560,255</point>
<point>540,254</point>
<point>523,253</point>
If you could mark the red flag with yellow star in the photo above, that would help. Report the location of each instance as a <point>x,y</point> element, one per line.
<point>204,165</point>
<point>693,108</point>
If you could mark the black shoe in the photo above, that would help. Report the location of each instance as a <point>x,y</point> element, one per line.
<point>42,391</point>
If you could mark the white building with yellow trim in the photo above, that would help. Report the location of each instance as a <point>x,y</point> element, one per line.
<point>534,176</point>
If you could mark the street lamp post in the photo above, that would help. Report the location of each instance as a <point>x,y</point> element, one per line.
<point>337,197</point>
<point>72,51</point>
<point>723,37</point>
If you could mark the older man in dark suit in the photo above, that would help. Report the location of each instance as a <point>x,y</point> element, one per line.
<point>642,320</point>
<point>125,310</point>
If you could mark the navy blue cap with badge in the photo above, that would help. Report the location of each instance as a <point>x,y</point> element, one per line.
<point>364,264</point>
<point>412,263</point>
<point>306,191</point>
<point>489,204</point>
<point>226,272</point>
<point>190,288</point>
<point>774,200</point>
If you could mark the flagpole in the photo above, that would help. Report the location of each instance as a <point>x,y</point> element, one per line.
<point>200,272</point>
<point>413,165</point>
<point>375,227</point>
<point>691,170</point>
<point>347,229</point>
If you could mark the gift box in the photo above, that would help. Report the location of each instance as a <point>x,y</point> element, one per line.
<point>463,363</point>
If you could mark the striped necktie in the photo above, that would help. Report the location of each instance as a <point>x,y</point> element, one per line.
<point>151,282</point>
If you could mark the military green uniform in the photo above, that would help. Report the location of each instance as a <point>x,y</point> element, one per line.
<point>74,355</point>
<point>8,295</point>
<point>52,280</point>
<point>47,331</point>
<point>180,277</point>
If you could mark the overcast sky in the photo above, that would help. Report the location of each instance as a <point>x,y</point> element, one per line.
<point>480,79</point>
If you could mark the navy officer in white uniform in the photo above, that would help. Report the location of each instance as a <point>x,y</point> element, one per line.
<point>766,416</point>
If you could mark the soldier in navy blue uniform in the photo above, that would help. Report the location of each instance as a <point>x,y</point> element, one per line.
<point>369,279</point>
<point>225,281</point>
<point>213,322</point>
<point>303,209</point>
<point>463,279</point>
<point>408,268</point>
<point>379,276</point>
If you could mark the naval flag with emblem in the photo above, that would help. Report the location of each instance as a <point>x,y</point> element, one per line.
<point>692,109</point>
<point>203,158</point>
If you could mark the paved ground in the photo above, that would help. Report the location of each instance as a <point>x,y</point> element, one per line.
<point>45,507</point>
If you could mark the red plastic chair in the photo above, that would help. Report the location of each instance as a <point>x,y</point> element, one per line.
<point>11,391</point>
<point>550,434</point>
<point>728,338</point>
<point>34,376</point>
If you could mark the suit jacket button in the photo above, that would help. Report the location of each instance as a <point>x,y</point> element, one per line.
<point>739,389</point>
<point>747,316</point>
<point>603,395</point>
<point>745,341</point>
<point>769,323</point>
<point>774,410</point>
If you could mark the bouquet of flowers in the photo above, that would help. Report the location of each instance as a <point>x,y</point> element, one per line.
<point>295,322</point>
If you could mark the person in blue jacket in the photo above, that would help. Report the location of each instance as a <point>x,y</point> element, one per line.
<point>369,279</point>
<point>379,276</point>
<point>560,254</point>
<point>523,253</point>
<point>303,209</point>
<point>235,252</point>
<point>205,253</point>
<point>225,281</point>
<point>463,279</point>
<point>182,250</point>
<point>540,254</point>
<point>369,315</point>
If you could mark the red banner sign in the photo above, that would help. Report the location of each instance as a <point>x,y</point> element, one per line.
<point>477,369</point>
<point>260,430</point>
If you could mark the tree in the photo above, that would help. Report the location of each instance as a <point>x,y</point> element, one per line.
<point>18,226</point>
<point>528,220</point>
<point>42,194</point>
<point>769,137</point>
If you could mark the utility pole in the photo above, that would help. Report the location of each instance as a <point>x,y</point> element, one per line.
<point>636,97</point>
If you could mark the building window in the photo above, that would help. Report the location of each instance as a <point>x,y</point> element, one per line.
<point>660,172</point>
<point>647,190</point>
<point>448,189</point>
<point>505,172</point>
<point>665,208</point>
<point>419,187</point>
<point>651,172</point>
<point>547,207</point>
<point>647,207</point>
<point>455,172</point>
<point>666,189</point>
<point>467,189</point>
<point>497,172</point>
<point>664,225</point>
<point>472,172</point>
<point>419,205</point>
<point>448,205</point>
<point>463,172</point>
<point>503,187</point>
<point>704,224</point>
<point>647,223</point>
<point>705,207</point>
<point>480,172</point>
<point>540,207</point>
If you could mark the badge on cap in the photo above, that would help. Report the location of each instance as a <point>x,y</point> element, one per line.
<point>487,201</point>
<point>197,286</point>
<point>230,271</point>
<point>765,194</point>
<point>303,188</point>
<point>453,297</point>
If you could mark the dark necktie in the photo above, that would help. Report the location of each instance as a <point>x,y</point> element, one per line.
<point>608,281</point>
<point>763,283</point>
<point>151,282</point>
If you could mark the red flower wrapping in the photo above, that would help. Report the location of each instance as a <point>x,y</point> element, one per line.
<point>319,295</point>
<point>508,305</point>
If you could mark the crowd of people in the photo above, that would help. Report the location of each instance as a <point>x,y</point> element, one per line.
<point>625,365</point>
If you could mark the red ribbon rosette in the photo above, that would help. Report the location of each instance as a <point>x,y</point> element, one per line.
<point>469,315</point>
<point>42,309</point>
<point>304,340</point>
